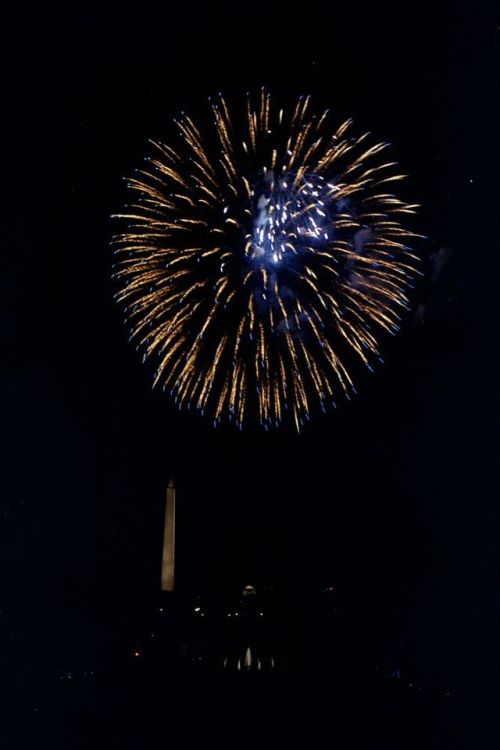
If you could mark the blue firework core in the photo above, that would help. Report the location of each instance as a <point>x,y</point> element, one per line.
<point>288,218</point>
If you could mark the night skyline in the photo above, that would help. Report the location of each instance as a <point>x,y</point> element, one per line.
<point>392,495</point>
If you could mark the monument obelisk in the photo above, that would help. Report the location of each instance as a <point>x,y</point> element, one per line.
<point>168,558</point>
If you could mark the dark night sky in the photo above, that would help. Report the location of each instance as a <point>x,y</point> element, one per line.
<point>394,496</point>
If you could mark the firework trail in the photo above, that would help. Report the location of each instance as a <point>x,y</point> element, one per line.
<point>259,258</point>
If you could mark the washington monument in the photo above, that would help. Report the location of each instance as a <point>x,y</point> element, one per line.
<point>168,558</point>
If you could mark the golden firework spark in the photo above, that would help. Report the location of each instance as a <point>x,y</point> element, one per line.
<point>258,258</point>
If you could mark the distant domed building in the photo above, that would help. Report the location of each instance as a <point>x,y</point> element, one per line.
<point>245,629</point>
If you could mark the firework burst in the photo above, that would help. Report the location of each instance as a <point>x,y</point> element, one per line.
<point>258,259</point>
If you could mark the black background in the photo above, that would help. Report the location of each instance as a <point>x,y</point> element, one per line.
<point>394,496</point>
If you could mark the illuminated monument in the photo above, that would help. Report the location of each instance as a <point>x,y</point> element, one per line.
<point>168,558</point>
